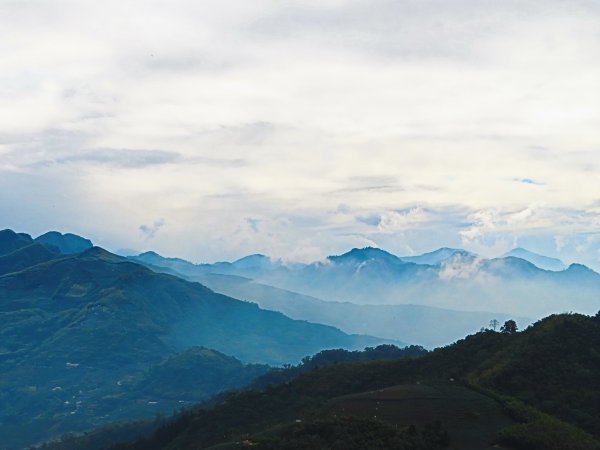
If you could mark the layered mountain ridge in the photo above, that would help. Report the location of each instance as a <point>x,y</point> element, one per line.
<point>447,278</point>
<point>80,331</point>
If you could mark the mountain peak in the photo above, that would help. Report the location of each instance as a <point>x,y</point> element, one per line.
<point>364,254</point>
<point>11,241</point>
<point>256,260</point>
<point>437,256</point>
<point>579,268</point>
<point>541,261</point>
<point>67,243</point>
<point>254,256</point>
<point>149,254</point>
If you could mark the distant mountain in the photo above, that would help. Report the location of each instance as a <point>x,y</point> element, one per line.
<point>126,252</point>
<point>438,256</point>
<point>253,262</point>
<point>362,255</point>
<point>67,243</point>
<point>249,266</point>
<point>77,330</point>
<point>462,281</point>
<point>108,290</point>
<point>541,261</point>
<point>177,264</point>
<point>422,325</point>
<point>252,265</point>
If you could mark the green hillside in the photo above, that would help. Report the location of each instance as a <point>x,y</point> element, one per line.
<point>85,340</point>
<point>536,389</point>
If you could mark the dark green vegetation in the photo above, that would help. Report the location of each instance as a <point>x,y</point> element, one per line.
<point>327,357</point>
<point>473,419</point>
<point>90,338</point>
<point>349,433</point>
<point>118,432</point>
<point>67,243</point>
<point>546,380</point>
<point>178,381</point>
<point>423,325</point>
<point>193,375</point>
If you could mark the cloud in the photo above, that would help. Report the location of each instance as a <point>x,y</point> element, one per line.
<point>218,162</point>
<point>391,29</point>
<point>283,111</point>
<point>482,222</point>
<point>466,268</point>
<point>372,220</point>
<point>381,184</point>
<point>149,231</point>
<point>491,221</point>
<point>254,223</point>
<point>125,158</point>
<point>560,242</point>
<point>393,221</point>
<point>528,181</point>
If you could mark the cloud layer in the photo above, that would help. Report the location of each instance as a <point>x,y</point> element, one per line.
<point>303,128</point>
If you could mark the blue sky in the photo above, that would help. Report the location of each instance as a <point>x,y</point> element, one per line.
<point>211,130</point>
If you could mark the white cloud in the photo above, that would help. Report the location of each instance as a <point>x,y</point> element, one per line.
<point>394,221</point>
<point>465,268</point>
<point>274,110</point>
<point>149,231</point>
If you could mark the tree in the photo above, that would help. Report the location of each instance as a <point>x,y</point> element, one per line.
<point>494,324</point>
<point>509,327</point>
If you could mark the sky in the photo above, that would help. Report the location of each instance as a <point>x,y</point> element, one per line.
<point>214,129</point>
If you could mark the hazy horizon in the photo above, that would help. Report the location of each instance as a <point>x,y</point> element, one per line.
<point>446,259</point>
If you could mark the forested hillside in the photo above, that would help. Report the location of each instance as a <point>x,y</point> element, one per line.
<point>530,390</point>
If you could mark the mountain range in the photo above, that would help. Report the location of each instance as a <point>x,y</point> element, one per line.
<point>423,325</point>
<point>89,338</point>
<point>86,338</point>
<point>64,299</point>
<point>447,278</point>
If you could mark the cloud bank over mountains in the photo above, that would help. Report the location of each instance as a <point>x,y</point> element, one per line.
<point>301,130</point>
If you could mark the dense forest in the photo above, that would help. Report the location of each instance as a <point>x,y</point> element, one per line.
<point>541,385</point>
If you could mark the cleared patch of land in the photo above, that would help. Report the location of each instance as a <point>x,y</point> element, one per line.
<point>471,419</point>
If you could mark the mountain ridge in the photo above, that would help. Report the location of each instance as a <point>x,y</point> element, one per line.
<point>541,261</point>
<point>83,322</point>
<point>67,243</point>
<point>462,281</point>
